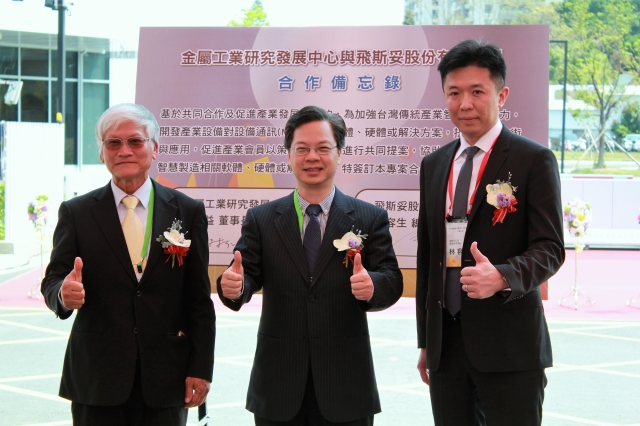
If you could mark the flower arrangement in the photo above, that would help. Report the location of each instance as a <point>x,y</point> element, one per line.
<point>174,243</point>
<point>500,195</point>
<point>352,243</point>
<point>577,216</point>
<point>38,213</point>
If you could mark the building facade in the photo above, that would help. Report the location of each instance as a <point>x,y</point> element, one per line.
<point>33,59</point>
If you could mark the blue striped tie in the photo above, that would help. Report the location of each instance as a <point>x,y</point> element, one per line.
<point>311,242</point>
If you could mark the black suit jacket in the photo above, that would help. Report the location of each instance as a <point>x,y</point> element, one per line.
<point>123,319</point>
<point>320,323</point>
<point>500,333</point>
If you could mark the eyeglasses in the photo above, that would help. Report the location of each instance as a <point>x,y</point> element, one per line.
<point>134,142</point>
<point>304,150</point>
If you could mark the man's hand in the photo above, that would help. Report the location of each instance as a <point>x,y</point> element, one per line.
<point>72,290</point>
<point>196,392</point>
<point>231,281</point>
<point>361,284</point>
<point>422,366</point>
<point>483,280</point>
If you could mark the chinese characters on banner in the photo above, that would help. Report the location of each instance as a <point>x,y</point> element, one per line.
<point>223,95</point>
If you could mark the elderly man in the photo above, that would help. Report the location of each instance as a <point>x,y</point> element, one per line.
<point>489,234</point>
<point>313,363</point>
<point>140,350</point>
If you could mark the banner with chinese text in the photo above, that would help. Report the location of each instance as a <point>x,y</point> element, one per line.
<point>222,96</point>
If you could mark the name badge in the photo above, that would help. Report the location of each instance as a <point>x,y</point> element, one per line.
<point>456,229</point>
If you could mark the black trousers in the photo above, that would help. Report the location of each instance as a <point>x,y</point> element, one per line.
<point>134,412</point>
<point>309,414</point>
<point>461,395</point>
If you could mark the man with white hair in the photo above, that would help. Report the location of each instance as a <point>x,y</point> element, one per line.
<point>141,347</point>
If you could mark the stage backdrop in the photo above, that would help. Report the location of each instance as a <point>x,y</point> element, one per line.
<point>223,95</point>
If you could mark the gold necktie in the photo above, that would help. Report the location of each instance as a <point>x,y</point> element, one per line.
<point>132,229</point>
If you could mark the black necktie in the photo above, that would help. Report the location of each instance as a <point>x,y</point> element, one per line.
<point>311,242</point>
<point>461,198</point>
<point>453,291</point>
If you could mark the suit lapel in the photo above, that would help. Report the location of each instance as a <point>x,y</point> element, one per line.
<point>288,229</point>
<point>106,215</point>
<point>340,222</point>
<point>496,158</point>
<point>164,213</point>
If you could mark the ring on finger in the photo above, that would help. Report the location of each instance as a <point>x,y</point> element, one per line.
<point>466,288</point>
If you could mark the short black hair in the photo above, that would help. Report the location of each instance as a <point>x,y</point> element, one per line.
<point>479,54</point>
<point>310,114</point>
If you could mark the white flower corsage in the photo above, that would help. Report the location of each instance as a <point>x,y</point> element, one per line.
<point>174,243</point>
<point>352,243</point>
<point>500,195</point>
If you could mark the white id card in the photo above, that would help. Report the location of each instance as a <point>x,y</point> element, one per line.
<point>455,239</point>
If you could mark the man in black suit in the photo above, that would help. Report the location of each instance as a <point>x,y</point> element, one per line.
<point>313,363</point>
<point>485,245</point>
<point>140,350</point>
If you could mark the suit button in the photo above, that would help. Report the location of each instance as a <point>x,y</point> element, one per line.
<point>306,338</point>
<point>138,293</point>
<point>439,304</point>
<point>311,298</point>
<point>135,330</point>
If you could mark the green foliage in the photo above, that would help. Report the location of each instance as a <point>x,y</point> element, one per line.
<point>410,12</point>
<point>629,121</point>
<point>603,46</point>
<point>409,17</point>
<point>601,53</point>
<point>253,17</point>
<point>1,210</point>
<point>538,12</point>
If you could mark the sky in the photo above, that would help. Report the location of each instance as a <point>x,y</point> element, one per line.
<point>121,19</point>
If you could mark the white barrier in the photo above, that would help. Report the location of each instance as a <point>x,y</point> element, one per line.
<point>615,203</point>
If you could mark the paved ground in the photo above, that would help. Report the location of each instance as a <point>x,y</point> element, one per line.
<point>595,380</point>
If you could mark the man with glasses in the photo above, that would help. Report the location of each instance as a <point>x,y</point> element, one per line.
<point>140,350</point>
<point>313,363</point>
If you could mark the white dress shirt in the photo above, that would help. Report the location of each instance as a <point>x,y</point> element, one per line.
<point>484,143</point>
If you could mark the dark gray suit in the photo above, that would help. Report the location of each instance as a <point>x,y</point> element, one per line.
<point>317,325</point>
<point>505,333</point>
<point>123,319</point>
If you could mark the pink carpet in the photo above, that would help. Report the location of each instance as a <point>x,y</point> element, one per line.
<point>13,292</point>
<point>609,277</point>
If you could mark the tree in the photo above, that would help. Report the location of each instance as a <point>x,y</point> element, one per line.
<point>409,17</point>
<point>253,17</point>
<point>629,121</point>
<point>601,53</point>
<point>513,12</point>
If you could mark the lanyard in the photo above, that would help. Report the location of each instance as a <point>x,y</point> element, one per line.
<point>296,203</point>
<point>147,232</point>
<point>483,165</point>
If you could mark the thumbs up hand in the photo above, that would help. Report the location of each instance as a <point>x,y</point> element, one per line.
<point>361,283</point>
<point>72,290</point>
<point>233,277</point>
<point>483,280</point>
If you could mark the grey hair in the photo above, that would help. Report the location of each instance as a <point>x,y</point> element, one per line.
<point>127,113</point>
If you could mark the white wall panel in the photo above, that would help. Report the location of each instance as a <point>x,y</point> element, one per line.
<point>34,154</point>
<point>615,205</point>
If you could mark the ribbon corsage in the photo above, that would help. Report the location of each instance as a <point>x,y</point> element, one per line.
<point>174,243</point>
<point>500,195</point>
<point>352,243</point>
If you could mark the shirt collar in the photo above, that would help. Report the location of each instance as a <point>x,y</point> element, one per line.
<point>143,193</point>
<point>324,204</point>
<point>484,143</point>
